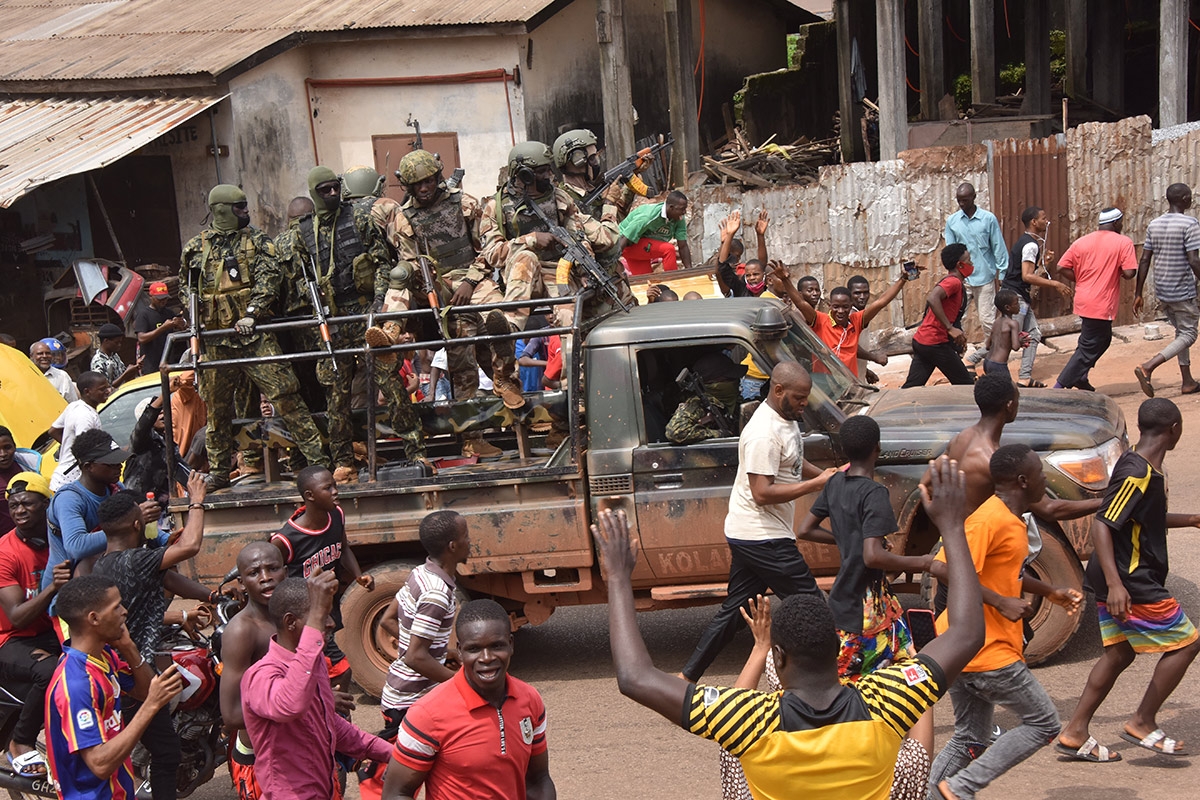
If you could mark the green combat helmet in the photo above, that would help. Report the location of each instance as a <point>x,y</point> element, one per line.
<point>528,154</point>
<point>361,181</point>
<point>417,166</point>
<point>578,139</point>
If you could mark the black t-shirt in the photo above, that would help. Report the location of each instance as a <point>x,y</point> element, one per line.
<point>857,508</point>
<point>1135,511</point>
<point>149,318</point>
<point>306,550</point>
<point>138,574</point>
<point>1013,276</point>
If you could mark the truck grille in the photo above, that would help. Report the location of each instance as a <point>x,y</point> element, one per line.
<point>611,484</point>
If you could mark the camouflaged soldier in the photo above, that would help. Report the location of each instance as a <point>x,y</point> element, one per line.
<point>235,269</point>
<point>577,157</point>
<point>352,263</point>
<point>694,420</point>
<point>442,223</point>
<point>517,241</point>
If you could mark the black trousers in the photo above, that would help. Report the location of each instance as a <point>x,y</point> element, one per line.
<point>163,743</point>
<point>1095,335</point>
<point>19,670</point>
<point>943,357</point>
<point>775,564</point>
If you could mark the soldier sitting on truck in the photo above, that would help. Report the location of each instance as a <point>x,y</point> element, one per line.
<point>578,159</point>
<point>344,250</point>
<point>712,396</point>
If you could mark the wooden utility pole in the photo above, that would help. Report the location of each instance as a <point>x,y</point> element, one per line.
<point>1172,63</point>
<point>614,79</point>
<point>933,57</point>
<point>848,108</point>
<point>681,88</point>
<point>1037,58</point>
<point>983,52</point>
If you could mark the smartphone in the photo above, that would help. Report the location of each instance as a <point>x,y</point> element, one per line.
<point>911,272</point>
<point>920,625</point>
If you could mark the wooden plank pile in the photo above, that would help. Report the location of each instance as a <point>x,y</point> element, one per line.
<point>769,164</point>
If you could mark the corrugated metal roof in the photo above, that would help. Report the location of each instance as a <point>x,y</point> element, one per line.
<point>58,40</point>
<point>44,139</point>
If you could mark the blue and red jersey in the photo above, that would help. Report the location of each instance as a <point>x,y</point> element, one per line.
<point>83,709</point>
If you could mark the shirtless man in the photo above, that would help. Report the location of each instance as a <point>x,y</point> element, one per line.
<point>244,642</point>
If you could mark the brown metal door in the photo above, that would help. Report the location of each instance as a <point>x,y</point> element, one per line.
<point>1033,172</point>
<point>390,148</point>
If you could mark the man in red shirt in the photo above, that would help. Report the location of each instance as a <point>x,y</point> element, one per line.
<point>29,649</point>
<point>1096,263</point>
<point>939,342</point>
<point>480,735</point>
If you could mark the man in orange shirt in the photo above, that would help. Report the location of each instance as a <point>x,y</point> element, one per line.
<point>998,539</point>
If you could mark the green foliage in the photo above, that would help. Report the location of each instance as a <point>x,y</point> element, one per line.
<point>793,41</point>
<point>962,91</point>
<point>1012,78</point>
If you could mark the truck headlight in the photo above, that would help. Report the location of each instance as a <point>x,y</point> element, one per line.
<point>1090,468</point>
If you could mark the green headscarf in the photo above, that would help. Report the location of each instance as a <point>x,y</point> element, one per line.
<point>317,176</point>
<point>724,392</point>
<point>220,202</point>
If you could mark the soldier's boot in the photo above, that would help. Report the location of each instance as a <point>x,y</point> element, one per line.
<point>504,362</point>
<point>214,482</point>
<point>345,475</point>
<point>473,446</point>
<point>384,335</point>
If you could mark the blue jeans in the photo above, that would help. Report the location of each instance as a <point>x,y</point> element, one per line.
<point>1028,324</point>
<point>975,696</point>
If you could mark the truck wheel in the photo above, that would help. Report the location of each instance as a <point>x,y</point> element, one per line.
<point>1053,627</point>
<point>370,650</point>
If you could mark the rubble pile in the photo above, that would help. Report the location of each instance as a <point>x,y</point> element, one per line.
<point>770,164</point>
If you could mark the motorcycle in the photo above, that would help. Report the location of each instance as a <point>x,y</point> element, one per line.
<point>19,786</point>
<point>196,712</point>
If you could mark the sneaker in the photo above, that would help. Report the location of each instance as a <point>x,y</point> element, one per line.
<point>480,449</point>
<point>509,391</point>
<point>345,475</point>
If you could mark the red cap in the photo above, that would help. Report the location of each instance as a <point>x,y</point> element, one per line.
<point>158,289</point>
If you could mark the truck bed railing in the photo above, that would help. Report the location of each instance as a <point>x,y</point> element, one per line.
<point>178,341</point>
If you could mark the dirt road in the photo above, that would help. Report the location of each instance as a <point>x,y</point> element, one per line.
<point>604,746</point>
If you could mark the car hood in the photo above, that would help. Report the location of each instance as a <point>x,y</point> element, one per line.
<point>917,424</point>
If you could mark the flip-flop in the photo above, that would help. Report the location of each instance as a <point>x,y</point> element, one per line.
<point>26,764</point>
<point>1156,742</point>
<point>1144,380</point>
<point>1192,390</point>
<point>1032,385</point>
<point>1084,752</point>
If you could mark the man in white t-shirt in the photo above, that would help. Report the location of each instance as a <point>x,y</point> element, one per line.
<point>759,527</point>
<point>76,418</point>
<point>42,355</point>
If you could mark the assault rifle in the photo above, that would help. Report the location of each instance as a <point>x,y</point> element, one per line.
<point>627,170</point>
<point>689,381</point>
<point>456,178</point>
<point>194,314</point>
<point>319,307</point>
<point>576,254</point>
<point>429,282</point>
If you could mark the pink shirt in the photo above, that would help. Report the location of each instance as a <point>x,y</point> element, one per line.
<point>289,712</point>
<point>1098,260</point>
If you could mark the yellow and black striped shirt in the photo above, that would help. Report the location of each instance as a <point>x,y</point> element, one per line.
<point>1135,511</point>
<point>789,749</point>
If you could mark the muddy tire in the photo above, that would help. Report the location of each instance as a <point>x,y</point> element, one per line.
<point>370,650</point>
<point>1052,626</point>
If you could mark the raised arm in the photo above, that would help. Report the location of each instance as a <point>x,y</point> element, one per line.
<point>759,620</point>
<point>637,677</point>
<point>945,504</point>
<point>188,543</point>
<point>880,303</point>
<point>760,232</point>
<point>780,279</point>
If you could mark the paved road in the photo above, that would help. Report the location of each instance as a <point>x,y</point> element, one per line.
<point>604,746</point>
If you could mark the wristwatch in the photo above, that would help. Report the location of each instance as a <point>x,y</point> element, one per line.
<point>251,311</point>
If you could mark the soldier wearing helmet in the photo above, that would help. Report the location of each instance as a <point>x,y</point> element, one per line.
<point>577,156</point>
<point>517,241</point>
<point>236,272</point>
<point>361,181</point>
<point>442,223</point>
<point>348,248</point>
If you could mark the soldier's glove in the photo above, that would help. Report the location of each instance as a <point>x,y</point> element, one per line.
<point>244,326</point>
<point>376,305</point>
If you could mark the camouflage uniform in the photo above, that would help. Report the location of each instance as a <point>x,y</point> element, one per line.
<point>352,262</point>
<point>239,271</point>
<point>509,244</point>
<point>449,230</point>
<point>692,422</point>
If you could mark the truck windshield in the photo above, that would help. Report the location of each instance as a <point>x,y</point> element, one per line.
<point>832,381</point>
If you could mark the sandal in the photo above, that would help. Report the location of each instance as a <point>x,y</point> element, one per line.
<point>1084,752</point>
<point>1156,742</point>
<point>1032,385</point>
<point>28,765</point>
<point>1144,381</point>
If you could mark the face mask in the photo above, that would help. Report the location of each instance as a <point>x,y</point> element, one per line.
<point>756,288</point>
<point>225,219</point>
<point>724,392</point>
<point>966,269</point>
<point>542,185</point>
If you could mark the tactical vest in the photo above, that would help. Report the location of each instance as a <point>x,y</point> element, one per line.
<point>595,210</point>
<point>442,229</point>
<point>337,268</point>
<point>225,293</point>
<point>519,220</point>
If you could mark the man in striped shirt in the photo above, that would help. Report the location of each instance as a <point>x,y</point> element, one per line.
<point>422,613</point>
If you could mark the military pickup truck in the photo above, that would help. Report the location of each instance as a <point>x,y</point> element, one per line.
<point>529,512</point>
